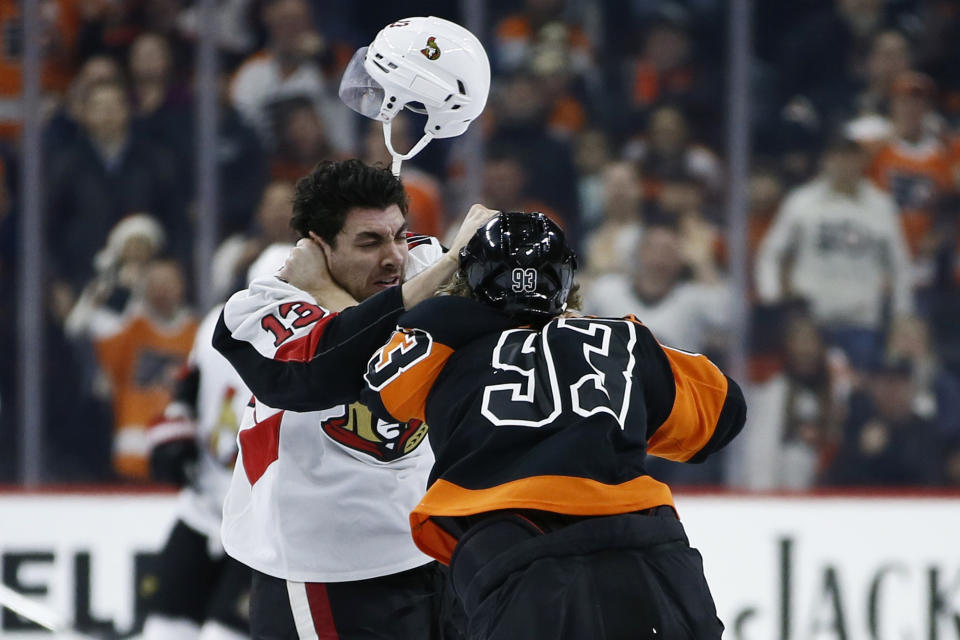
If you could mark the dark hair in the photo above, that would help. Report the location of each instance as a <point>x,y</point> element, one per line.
<point>326,195</point>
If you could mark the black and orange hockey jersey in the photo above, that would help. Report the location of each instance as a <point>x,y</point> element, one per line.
<point>919,178</point>
<point>558,419</point>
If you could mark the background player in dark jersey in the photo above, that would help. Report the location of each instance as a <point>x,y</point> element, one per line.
<point>540,421</point>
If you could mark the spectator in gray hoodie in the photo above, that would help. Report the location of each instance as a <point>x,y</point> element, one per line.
<point>837,244</point>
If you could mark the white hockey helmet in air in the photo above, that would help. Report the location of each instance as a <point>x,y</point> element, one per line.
<point>428,65</point>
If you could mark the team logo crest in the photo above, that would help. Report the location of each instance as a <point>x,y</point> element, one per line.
<point>360,430</point>
<point>222,441</point>
<point>431,51</point>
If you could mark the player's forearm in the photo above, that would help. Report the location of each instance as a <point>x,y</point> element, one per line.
<point>425,284</point>
<point>302,360</point>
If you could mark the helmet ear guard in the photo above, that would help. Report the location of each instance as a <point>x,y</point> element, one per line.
<point>419,61</point>
<point>520,263</point>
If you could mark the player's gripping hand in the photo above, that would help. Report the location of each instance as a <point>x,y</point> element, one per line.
<point>478,216</point>
<point>425,284</point>
<point>306,266</point>
<point>306,269</point>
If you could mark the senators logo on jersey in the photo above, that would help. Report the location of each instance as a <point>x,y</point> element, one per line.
<point>359,429</point>
<point>222,440</point>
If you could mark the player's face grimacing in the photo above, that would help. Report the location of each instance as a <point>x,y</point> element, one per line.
<point>371,251</point>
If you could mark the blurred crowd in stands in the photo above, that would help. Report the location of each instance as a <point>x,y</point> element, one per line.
<point>608,115</point>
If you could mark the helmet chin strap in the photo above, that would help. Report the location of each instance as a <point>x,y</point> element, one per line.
<point>398,158</point>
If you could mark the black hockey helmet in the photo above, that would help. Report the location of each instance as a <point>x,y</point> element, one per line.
<point>520,263</point>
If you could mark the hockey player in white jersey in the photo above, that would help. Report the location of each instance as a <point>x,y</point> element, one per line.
<point>198,592</point>
<point>321,493</point>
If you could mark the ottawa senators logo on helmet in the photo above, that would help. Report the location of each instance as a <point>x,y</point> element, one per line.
<point>431,51</point>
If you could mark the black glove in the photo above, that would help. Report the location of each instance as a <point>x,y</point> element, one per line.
<point>174,462</point>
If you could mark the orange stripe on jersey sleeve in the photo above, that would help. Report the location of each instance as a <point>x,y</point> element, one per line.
<point>405,397</point>
<point>558,494</point>
<point>701,389</point>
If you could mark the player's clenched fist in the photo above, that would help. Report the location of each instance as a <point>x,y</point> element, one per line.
<point>475,218</point>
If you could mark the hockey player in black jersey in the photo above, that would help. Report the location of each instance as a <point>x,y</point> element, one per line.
<point>540,421</point>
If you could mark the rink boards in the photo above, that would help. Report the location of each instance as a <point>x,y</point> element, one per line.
<point>862,566</point>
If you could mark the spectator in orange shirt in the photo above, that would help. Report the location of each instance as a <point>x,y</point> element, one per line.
<point>519,33</point>
<point>664,66</point>
<point>664,69</point>
<point>915,168</point>
<point>141,361</point>
<point>59,25</point>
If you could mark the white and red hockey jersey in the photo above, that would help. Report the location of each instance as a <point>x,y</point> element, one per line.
<point>322,490</point>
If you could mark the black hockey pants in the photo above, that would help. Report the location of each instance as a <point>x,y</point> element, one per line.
<point>631,576</point>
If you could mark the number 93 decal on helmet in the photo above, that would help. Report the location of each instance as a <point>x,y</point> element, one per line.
<point>429,65</point>
<point>520,263</point>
